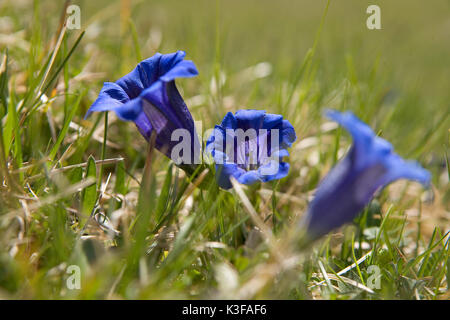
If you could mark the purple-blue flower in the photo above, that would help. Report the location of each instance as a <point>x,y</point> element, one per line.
<point>370,165</point>
<point>250,146</point>
<point>148,97</point>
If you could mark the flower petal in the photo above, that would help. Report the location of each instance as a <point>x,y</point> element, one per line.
<point>229,121</point>
<point>253,158</point>
<point>144,125</point>
<point>288,135</point>
<point>168,61</point>
<point>361,133</point>
<point>184,69</point>
<point>371,164</point>
<point>283,170</point>
<point>272,121</point>
<point>179,107</point>
<point>157,96</point>
<point>143,76</point>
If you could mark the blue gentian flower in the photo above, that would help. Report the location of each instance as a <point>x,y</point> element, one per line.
<point>249,146</point>
<point>148,97</point>
<point>370,165</point>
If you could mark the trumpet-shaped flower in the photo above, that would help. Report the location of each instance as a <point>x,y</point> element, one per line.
<point>370,165</point>
<point>148,97</point>
<point>250,146</point>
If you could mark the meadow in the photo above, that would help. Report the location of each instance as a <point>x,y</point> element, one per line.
<point>87,197</point>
